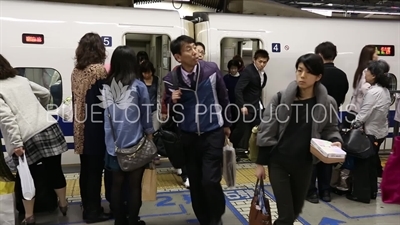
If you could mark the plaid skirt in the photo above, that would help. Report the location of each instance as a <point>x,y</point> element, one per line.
<point>49,142</point>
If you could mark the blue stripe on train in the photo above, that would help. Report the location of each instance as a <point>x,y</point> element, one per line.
<point>67,127</point>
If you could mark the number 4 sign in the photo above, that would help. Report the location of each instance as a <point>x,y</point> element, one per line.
<point>276,47</point>
<point>107,40</point>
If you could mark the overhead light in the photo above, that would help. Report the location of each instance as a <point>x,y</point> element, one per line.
<point>320,11</point>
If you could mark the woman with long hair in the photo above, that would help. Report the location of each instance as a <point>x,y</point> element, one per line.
<point>360,86</point>
<point>29,131</point>
<point>301,112</point>
<point>125,123</point>
<point>87,79</point>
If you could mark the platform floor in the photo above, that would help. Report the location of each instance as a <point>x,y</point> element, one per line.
<point>173,205</point>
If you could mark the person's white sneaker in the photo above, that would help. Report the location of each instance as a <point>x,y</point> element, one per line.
<point>186,183</point>
<point>178,172</point>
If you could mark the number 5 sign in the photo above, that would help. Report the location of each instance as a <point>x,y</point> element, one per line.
<point>107,40</point>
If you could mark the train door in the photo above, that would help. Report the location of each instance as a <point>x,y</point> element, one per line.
<point>156,46</point>
<point>222,45</point>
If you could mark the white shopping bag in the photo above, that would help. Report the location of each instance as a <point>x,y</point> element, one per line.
<point>65,110</point>
<point>8,215</point>
<point>229,164</point>
<point>28,187</point>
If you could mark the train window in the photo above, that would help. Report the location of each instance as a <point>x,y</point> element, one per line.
<point>47,77</point>
<point>243,47</point>
<point>393,86</point>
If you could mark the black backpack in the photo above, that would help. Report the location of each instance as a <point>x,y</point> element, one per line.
<point>168,137</point>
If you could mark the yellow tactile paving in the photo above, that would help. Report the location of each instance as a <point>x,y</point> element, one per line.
<point>168,180</point>
<point>384,160</point>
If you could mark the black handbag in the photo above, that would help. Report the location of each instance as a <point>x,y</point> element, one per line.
<point>357,144</point>
<point>169,134</point>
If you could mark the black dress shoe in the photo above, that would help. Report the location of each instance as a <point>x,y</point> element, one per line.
<point>141,222</point>
<point>353,198</point>
<point>122,221</point>
<point>135,222</point>
<point>326,196</point>
<point>313,198</point>
<point>95,217</point>
<point>216,222</point>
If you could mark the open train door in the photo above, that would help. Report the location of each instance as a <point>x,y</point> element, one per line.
<point>224,38</point>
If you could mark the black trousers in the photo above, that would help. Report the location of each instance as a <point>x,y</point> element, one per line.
<point>90,180</point>
<point>235,117</point>
<point>323,172</point>
<point>365,176</point>
<point>290,180</point>
<point>53,173</point>
<point>241,134</point>
<point>204,166</point>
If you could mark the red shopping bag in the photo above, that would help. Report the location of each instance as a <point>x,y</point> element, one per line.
<point>390,186</point>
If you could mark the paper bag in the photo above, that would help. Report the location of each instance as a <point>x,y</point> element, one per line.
<point>229,164</point>
<point>7,204</point>
<point>149,184</point>
<point>253,145</point>
<point>65,110</point>
<point>27,184</point>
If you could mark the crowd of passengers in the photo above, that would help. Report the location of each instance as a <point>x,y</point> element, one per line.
<point>293,171</point>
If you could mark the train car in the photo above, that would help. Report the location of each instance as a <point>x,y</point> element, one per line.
<point>288,38</point>
<point>40,41</point>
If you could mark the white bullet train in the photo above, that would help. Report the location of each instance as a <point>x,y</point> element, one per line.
<point>39,39</point>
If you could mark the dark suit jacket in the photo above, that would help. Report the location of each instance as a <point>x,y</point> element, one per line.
<point>249,88</point>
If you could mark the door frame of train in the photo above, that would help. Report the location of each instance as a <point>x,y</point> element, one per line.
<point>171,35</point>
<point>218,35</point>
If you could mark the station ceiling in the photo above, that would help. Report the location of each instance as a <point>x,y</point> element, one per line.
<point>218,5</point>
<point>355,5</point>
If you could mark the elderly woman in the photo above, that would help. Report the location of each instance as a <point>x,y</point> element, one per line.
<point>372,117</point>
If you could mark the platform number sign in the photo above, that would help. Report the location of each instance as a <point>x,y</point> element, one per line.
<point>276,47</point>
<point>107,40</point>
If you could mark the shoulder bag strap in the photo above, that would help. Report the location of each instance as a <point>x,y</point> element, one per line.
<point>175,84</point>
<point>175,80</point>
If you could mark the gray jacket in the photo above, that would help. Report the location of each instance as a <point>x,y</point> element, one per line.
<point>276,118</point>
<point>374,110</point>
